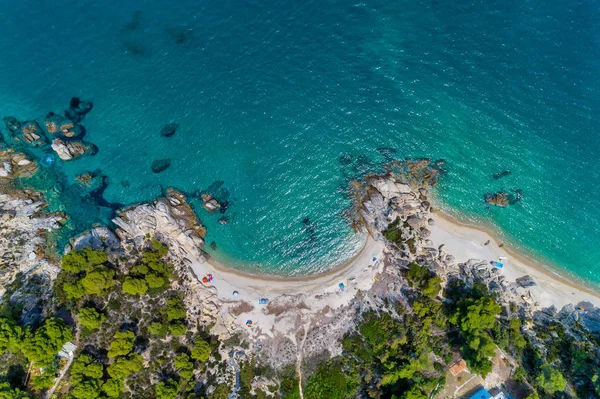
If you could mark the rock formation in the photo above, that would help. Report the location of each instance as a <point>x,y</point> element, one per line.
<point>160,165</point>
<point>169,219</point>
<point>23,247</point>
<point>500,199</point>
<point>169,130</point>
<point>71,149</point>
<point>15,164</point>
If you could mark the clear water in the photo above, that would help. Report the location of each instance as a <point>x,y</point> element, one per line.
<point>270,95</point>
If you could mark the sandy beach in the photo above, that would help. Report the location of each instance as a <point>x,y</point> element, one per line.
<point>463,241</point>
<point>466,242</point>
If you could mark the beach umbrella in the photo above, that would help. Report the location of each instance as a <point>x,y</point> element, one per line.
<point>204,280</point>
<point>374,259</point>
<point>235,293</point>
<point>249,323</point>
<point>342,286</point>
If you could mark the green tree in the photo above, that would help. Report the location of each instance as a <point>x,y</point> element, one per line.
<point>113,388</point>
<point>87,389</point>
<point>124,366</point>
<point>177,328</point>
<point>98,281</point>
<point>7,392</point>
<point>166,390</point>
<point>122,344</point>
<point>184,366</point>
<point>159,329</point>
<point>86,368</point>
<point>90,318</point>
<point>11,336</point>
<point>41,346</point>
<point>201,350</point>
<point>73,290</point>
<point>154,280</point>
<point>175,309</point>
<point>160,248</point>
<point>330,382</point>
<point>414,393</point>
<point>222,391</point>
<point>551,380</point>
<point>79,260</point>
<point>476,314</point>
<point>134,286</point>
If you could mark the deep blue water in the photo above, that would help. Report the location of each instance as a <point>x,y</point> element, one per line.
<point>270,95</point>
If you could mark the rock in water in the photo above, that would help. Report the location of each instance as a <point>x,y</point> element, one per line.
<point>169,130</point>
<point>160,165</point>
<point>12,124</point>
<point>15,164</point>
<point>78,109</point>
<point>500,175</point>
<point>70,149</point>
<point>210,204</point>
<point>32,133</point>
<point>500,199</point>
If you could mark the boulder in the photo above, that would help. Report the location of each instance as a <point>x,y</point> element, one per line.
<point>210,204</point>
<point>78,109</point>
<point>32,133</point>
<point>500,199</point>
<point>525,281</point>
<point>70,149</point>
<point>15,164</point>
<point>169,130</point>
<point>160,165</point>
<point>98,238</point>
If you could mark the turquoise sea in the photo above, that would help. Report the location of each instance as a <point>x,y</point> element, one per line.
<point>280,104</point>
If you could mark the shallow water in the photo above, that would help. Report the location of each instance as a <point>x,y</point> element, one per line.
<point>268,96</point>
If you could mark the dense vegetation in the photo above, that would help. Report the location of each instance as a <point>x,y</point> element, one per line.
<point>134,339</point>
<point>132,332</point>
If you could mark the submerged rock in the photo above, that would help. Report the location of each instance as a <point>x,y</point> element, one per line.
<point>169,130</point>
<point>12,124</point>
<point>160,165</point>
<point>70,149</point>
<point>500,199</point>
<point>500,175</point>
<point>78,109</point>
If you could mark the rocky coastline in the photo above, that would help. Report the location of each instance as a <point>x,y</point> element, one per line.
<point>303,321</point>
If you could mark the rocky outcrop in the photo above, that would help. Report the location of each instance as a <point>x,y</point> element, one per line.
<point>98,238</point>
<point>26,273</point>
<point>58,126</point>
<point>71,149</point>
<point>169,219</point>
<point>210,204</point>
<point>500,199</point>
<point>15,164</point>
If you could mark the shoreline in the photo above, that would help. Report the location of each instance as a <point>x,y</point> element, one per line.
<point>249,285</point>
<point>466,241</point>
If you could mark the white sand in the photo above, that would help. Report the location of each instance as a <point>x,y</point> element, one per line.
<point>307,299</point>
<point>467,242</point>
<point>316,292</point>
